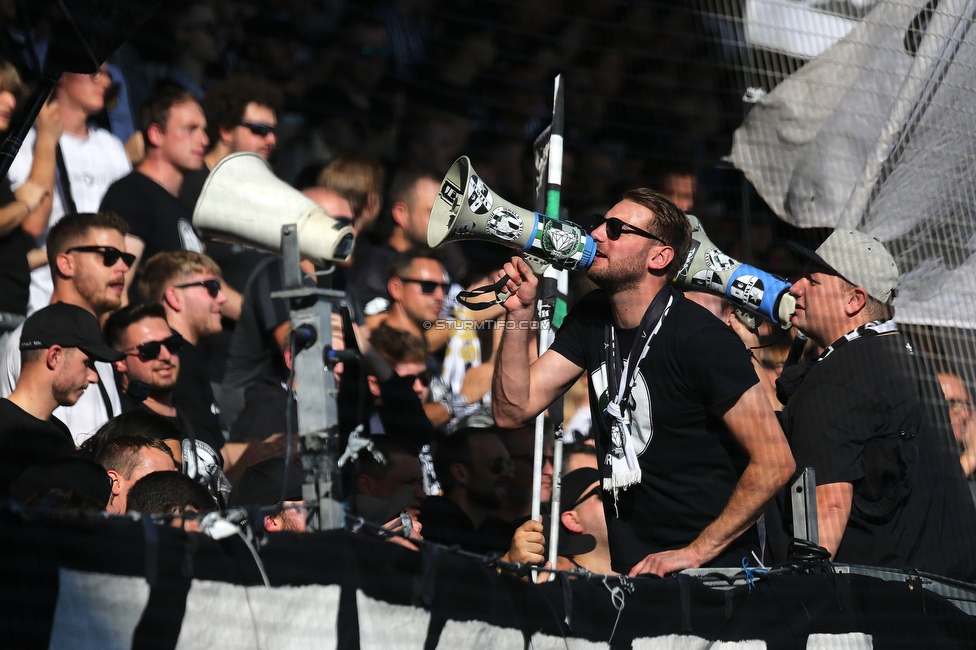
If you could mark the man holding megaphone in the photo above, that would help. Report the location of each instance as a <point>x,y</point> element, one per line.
<point>691,450</point>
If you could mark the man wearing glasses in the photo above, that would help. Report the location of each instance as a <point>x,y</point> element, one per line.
<point>87,257</point>
<point>691,450</point>
<point>473,468</point>
<point>150,372</point>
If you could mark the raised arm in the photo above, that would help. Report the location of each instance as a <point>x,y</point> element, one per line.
<point>522,388</point>
<point>754,427</point>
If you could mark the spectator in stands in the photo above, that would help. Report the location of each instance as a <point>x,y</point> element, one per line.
<point>962,418</point>
<point>242,115</point>
<point>417,285</point>
<point>579,454</point>
<point>581,516</point>
<point>360,180</point>
<point>59,346</point>
<point>866,415</point>
<point>86,253</point>
<point>189,287</point>
<point>150,371</point>
<point>275,487</point>
<point>127,459</point>
<point>400,400</point>
<point>174,129</point>
<point>254,353</point>
<point>384,479</point>
<point>171,493</point>
<point>93,160</point>
<point>20,210</point>
<point>411,198</point>
<point>521,447</point>
<point>473,468</point>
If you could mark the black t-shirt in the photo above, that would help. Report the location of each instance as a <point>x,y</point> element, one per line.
<point>689,461</point>
<point>25,440</point>
<point>14,269</point>
<point>871,414</point>
<point>192,186</point>
<point>194,396</point>
<point>264,412</point>
<point>155,216</point>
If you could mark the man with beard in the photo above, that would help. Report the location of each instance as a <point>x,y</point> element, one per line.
<point>474,469</point>
<point>86,253</point>
<point>691,449</point>
<point>59,346</point>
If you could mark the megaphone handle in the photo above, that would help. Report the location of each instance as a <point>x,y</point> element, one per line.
<point>746,318</point>
<point>500,296</point>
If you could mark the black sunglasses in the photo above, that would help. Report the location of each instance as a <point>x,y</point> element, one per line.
<point>428,286</point>
<point>499,464</point>
<point>424,377</point>
<point>615,228</point>
<point>213,286</point>
<point>149,351</point>
<point>110,255</point>
<point>260,129</point>
<point>595,492</point>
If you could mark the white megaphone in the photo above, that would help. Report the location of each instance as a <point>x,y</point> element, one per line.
<point>710,270</point>
<point>467,209</point>
<point>242,200</point>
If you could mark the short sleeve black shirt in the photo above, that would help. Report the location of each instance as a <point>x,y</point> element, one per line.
<point>689,462</point>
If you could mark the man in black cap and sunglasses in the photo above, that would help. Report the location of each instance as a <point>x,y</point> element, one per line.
<point>690,447</point>
<point>88,260</point>
<point>59,346</point>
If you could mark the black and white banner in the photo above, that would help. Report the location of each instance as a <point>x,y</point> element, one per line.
<point>116,583</point>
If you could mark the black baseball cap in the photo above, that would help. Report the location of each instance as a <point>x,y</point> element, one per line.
<point>261,484</point>
<point>69,326</point>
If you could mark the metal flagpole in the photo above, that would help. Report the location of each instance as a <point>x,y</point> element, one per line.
<point>551,308</point>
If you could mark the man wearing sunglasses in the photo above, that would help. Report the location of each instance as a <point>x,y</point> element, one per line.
<point>189,287</point>
<point>691,449</point>
<point>473,468</point>
<point>87,257</point>
<point>174,130</point>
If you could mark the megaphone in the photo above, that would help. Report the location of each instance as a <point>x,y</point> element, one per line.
<point>242,200</point>
<point>709,270</point>
<point>466,208</point>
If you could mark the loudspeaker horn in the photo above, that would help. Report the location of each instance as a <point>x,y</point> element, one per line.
<point>709,270</point>
<point>466,208</point>
<point>242,200</point>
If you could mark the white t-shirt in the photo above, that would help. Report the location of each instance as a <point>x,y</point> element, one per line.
<point>93,164</point>
<point>88,414</point>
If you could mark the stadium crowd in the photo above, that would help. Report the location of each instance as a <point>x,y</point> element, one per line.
<point>147,369</point>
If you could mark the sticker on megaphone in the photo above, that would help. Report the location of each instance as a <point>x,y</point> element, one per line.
<point>476,212</point>
<point>709,270</point>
